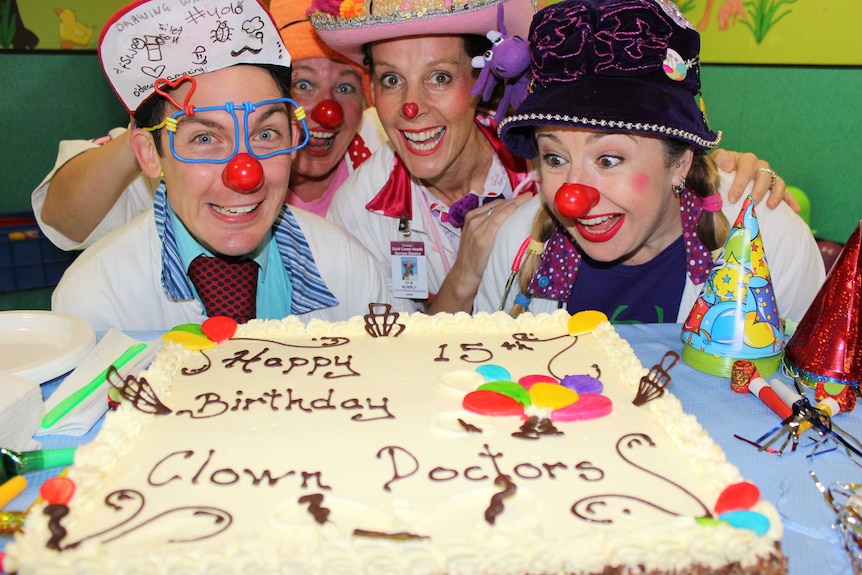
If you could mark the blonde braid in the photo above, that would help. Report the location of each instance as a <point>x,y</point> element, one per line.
<point>543,224</point>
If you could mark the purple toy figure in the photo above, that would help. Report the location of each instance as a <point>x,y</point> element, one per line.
<point>507,60</point>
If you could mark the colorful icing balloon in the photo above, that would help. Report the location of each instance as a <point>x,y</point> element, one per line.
<point>57,490</point>
<point>582,383</point>
<point>589,406</point>
<point>189,340</point>
<point>736,497</point>
<point>491,403</point>
<point>529,381</point>
<point>552,395</point>
<point>493,372</point>
<point>219,328</point>
<point>751,520</point>
<point>585,321</point>
<point>509,389</point>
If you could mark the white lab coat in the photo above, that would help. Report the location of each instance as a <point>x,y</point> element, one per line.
<point>116,282</point>
<point>795,264</point>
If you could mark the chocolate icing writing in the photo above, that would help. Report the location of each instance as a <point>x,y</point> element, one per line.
<point>56,512</point>
<point>382,323</point>
<point>468,427</point>
<point>199,522</point>
<point>652,385</point>
<point>535,427</point>
<point>314,500</point>
<point>138,392</point>
<point>119,501</point>
<point>186,465</point>
<point>189,371</point>
<point>397,536</point>
<point>211,404</point>
<point>246,360</point>
<point>497,506</point>
<point>591,508</point>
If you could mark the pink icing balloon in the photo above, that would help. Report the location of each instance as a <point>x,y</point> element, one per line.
<point>589,406</point>
<point>529,381</point>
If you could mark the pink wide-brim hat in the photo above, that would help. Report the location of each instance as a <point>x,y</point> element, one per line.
<point>389,19</point>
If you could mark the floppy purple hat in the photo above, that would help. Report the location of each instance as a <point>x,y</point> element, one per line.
<point>612,65</point>
<point>349,25</point>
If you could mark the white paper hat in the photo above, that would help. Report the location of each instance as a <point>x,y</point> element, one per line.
<point>149,40</point>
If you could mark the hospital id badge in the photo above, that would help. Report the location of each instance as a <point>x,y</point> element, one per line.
<point>409,270</point>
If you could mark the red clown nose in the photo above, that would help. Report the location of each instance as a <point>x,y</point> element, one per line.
<point>575,200</point>
<point>410,109</point>
<point>328,113</point>
<point>243,173</point>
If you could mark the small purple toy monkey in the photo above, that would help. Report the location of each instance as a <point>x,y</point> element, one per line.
<point>507,60</point>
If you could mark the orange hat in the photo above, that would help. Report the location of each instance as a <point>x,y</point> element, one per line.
<point>291,17</point>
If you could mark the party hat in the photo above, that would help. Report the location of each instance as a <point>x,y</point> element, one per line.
<point>736,316</point>
<point>827,344</point>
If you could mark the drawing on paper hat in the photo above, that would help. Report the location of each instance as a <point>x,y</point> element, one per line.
<point>164,40</point>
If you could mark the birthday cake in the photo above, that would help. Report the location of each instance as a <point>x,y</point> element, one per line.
<point>394,444</point>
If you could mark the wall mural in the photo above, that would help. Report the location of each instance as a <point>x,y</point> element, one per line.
<point>784,32</point>
<point>788,32</point>
<point>65,25</point>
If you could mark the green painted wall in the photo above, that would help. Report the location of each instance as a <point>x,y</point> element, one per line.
<point>806,121</point>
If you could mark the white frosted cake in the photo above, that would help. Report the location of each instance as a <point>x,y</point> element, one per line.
<point>439,445</point>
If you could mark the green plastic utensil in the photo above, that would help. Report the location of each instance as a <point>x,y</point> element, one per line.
<point>64,407</point>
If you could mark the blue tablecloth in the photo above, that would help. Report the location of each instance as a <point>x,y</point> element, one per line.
<point>810,541</point>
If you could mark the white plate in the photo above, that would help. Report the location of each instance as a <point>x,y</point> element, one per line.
<point>41,345</point>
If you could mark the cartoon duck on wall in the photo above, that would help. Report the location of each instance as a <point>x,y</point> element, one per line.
<point>72,33</point>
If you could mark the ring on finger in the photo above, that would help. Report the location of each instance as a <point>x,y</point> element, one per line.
<point>489,212</point>
<point>768,171</point>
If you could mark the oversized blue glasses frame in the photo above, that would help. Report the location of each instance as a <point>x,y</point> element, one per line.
<point>248,108</point>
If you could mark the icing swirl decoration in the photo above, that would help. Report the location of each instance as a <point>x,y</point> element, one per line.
<point>601,508</point>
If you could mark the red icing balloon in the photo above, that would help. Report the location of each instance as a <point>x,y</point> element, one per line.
<point>410,109</point>
<point>575,200</point>
<point>57,490</point>
<point>491,403</point>
<point>243,173</point>
<point>219,328</point>
<point>328,113</point>
<point>737,497</point>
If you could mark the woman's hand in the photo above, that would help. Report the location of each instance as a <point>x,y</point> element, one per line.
<point>748,167</point>
<point>477,238</point>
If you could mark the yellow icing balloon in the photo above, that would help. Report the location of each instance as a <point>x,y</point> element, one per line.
<point>189,340</point>
<point>758,334</point>
<point>552,395</point>
<point>585,321</point>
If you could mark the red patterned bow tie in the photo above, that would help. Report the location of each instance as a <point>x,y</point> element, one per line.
<point>226,287</point>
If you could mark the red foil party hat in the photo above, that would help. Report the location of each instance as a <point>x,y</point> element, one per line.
<point>827,344</point>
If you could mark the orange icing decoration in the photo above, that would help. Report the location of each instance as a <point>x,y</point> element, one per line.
<point>57,490</point>
<point>585,321</point>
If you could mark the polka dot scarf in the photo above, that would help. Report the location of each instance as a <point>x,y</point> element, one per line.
<point>558,269</point>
